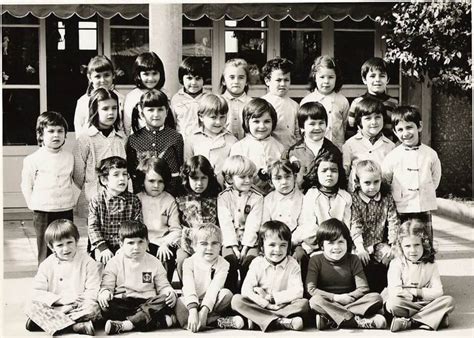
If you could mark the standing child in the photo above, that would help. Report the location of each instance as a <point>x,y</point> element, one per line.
<point>112,206</point>
<point>148,73</point>
<point>414,286</point>
<point>134,292</point>
<point>46,178</point>
<point>234,87</point>
<point>272,292</point>
<point>413,169</point>
<point>325,83</point>
<point>204,300</point>
<point>337,283</point>
<point>101,74</point>
<point>277,76</point>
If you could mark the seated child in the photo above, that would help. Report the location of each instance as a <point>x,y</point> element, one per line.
<point>67,282</point>
<point>204,300</point>
<point>135,293</point>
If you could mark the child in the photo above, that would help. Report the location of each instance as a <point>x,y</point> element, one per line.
<point>369,143</point>
<point>101,74</point>
<point>313,121</point>
<point>185,102</point>
<point>374,222</point>
<point>134,293</point>
<point>413,169</point>
<point>259,121</point>
<point>337,285</point>
<point>66,283</point>
<point>212,139</point>
<point>112,206</point>
<point>160,211</point>
<point>204,299</point>
<point>102,139</point>
<point>277,76</point>
<point>234,87</point>
<point>272,292</point>
<point>325,83</point>
<point>240,214</point>
<point>197,202</point>
<point>158,137</point>
<point>148,73</point>
<point>46,178</point>
<point>414,286</point>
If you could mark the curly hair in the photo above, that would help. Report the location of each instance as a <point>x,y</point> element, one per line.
<point>415,227</point>
<point>311,178</point>
<point>325,61</point>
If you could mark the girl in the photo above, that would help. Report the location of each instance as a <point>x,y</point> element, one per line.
<point>197,202</point>
<point>160,211</point>
<point>415,292</point>
<point>337,284</point>
<point>100,73</point>
<point>374,222</point>
<point>148,73</point>
<point>234,88</point>
<point>103,138</point>
<point>259,120</point>
<point>325,83</point>
<point>272,292</point>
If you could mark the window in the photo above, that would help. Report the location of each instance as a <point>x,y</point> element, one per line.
<point>197,42</point>
<point>87,35</point>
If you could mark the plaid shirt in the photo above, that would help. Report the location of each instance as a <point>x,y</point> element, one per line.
<point>106,214</point>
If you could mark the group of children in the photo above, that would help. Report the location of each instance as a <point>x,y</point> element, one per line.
<point>260,204</point>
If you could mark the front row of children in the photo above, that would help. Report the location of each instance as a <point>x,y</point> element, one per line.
<point>133,292</point>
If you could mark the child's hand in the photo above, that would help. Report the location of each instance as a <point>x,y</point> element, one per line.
<point>103,299</point>
<point>203,313</point>
<point>274,307</point>
<point>65,300</point>
<point>193,320</point>
<point>164,253</point>
<point>235,248</point>
<point>387,256</point>
<point>363,255</point>
<point>260,291</point>
<point>245,249</point>
<point>306,248</point>
<point>344,299</point>
<point>171,299</point>
<point>105,256</point>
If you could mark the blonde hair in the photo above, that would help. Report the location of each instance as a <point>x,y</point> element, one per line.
<point>238,165</point>
<point>211,104</point>
<point>206,231</point>
<point>235,63</point>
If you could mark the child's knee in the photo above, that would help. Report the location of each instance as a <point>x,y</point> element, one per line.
<point>236,303</point>
<point>315,301</point>
<point>395,305</point>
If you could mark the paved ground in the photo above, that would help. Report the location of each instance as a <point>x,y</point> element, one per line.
<point>455,243</point>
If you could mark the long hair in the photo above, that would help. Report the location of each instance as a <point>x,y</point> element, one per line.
<point>152,98</point>
<point>415,227</point>
<point>311,179</point>
<point>98,95</point>
<point>190,169</point>
<point>147,162</point>
<point>235,63</point>
<point>371,167</point>
<point>329,62</point>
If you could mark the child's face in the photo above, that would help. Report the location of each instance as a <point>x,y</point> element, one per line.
<point>283,182</point>
<point>370,182</point>
<point>371,124</point>
<point>154,116</point>
<point>314,130</point>
<point>53,137</point>
<point>235,80</point>
<point>412,248</point>
<point>325,80</point>
<point>150,78</point>
<point>279,83</point>
<point>261,127</point>
<point>242,183</point>
<point>134,248</point>
<point>154,183</point>
<point>207,248</point>
<point>376,81</point>
<point>107,111</point>
<point>275,249</point>
<point>408,133</point>
<point>328,174</point>
<point>193,83</point>
<point>116,181</point>
<point>214,123</point>
<point>64,249</point>
<point>335,250</point>
<point>101,79</point>
<point>198,183</point>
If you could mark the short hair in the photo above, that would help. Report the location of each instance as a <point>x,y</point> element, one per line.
<point>193,66</point>
<point>154,98</point>
<point>145,62</point>
<point>207,230</point>
<point>407,114</point>
<point>332,229</point>
<point>211,104</point>
<point>49,118</point>
<point>190,168</point>
<point>132,229</point>
<point>274,227</point>
<point>149,162</point>
<point>255,108</point>
<point>112,162</point>
<point>311,179</point>
<point>372,64</point>
<point>285,165</point>
<point>371,167</point>
<point>415,227</point>
<point>235,63</point>
<point>329,62</point>
<point>238,165</point>
<point>60,229</point>
<point>98,95</point>
<point>311,110</point>
<point>368,106</point>
<point>99,64</point>
<point>282,64</point>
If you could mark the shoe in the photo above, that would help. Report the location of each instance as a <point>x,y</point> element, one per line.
<point>251,325</point>
<point>232,322</point>
<point>295,323</point>
<point>323,323</point>
<point>32,326</point>
<point>400,324</point>
<point>84,328</point>
<point>374,322</point>
<point>170,320</point>
<point>113,327</point>
<point>444,322</point>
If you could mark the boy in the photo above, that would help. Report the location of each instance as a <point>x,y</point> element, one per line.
<point>413,169</point>
<point>135,293</point>
<point>112,206</point>
<point>204,273</point>
<point>277,76</point>
<point>46,178</point>
<point>65,285</point>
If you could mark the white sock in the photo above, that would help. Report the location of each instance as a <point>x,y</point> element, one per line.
<point>127,325</point>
